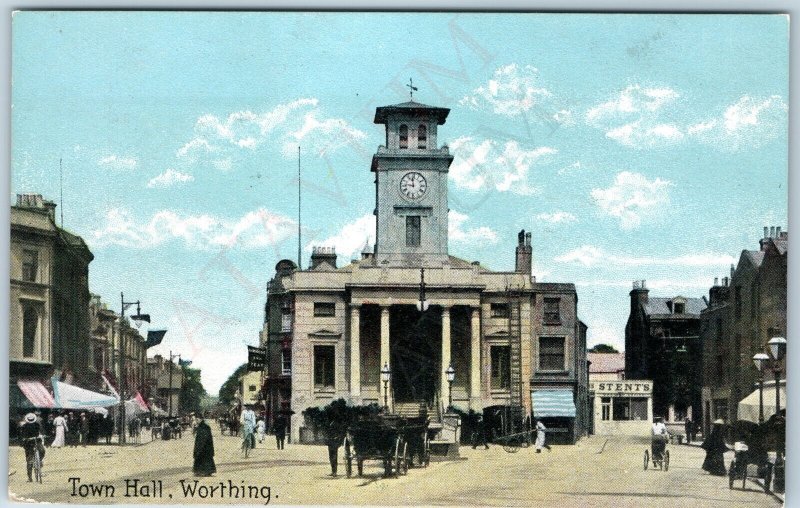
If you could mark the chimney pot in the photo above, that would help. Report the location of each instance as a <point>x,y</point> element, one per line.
<point>766,232</point>
<point>772,232</point>
<point>777,232</point>
<point>716,280</point>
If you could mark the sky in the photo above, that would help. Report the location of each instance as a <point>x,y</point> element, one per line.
<point>633,147</point>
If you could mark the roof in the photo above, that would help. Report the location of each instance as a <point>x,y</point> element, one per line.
<point>657,305</point>
<point>756,256</point>
<point>606,362</point>
<point>782,245</point>
<point>413,108</point>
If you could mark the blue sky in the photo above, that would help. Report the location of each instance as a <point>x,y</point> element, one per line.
<point>632,146</point>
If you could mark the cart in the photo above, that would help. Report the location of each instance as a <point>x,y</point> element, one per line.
<point>659,457</point>
<point>752,458</point>
<point>391,440</point>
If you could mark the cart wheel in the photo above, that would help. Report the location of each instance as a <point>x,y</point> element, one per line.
<point>426,451</point>
<point>646,459</point>
<point>404,468</point>
<point>732,474</point>
<point>398,446</point>
<point>769,478</point>
<point>666,460</point>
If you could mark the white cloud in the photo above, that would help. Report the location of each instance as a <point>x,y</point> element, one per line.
<point>602,332</point>
<point>255,229</point>
<point>590,255</point>
<point>559,217</point>
<point>514,90</point>
<point>351,238</point>
<point>488,164</point>
<point>632,198</point>
<point>630,103</point>
<point>572,168</point>
<point>749,122</point>
<point>458,234</point>
<point>169,178</point>
<point>286,125</point>
<point>117,162</point>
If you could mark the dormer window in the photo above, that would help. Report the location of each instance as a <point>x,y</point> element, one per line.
<point>404,136</point>
<point>679,307</point>
<point>422,137</point>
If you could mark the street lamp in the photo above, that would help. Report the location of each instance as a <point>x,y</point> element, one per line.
<point>760,359</point>
<point>777,348</point>
<point>386,374</point>
<point>422,304</point>
<point>451,375</point>
<point>137,318</point>
<point>169,391</point>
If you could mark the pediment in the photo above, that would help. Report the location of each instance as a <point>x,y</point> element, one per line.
<point>324,332</point>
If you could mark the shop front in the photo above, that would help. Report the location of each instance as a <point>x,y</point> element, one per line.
<point>622,407</point>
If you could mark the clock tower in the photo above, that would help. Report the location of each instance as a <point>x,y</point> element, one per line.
<point>411,186</point>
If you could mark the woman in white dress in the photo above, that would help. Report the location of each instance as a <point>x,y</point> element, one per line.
<point>262,429</point>
<point>60,424</point>
<point>540,436</point>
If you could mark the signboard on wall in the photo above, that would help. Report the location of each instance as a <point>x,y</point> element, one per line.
<point>632,387</point>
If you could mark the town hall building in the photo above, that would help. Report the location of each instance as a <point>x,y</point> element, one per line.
<point>409,308</point>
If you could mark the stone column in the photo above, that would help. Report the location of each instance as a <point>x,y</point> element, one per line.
<point>444,385</point>
<point>385,357</point>
<point>475,359</point>
<point>355,351</point>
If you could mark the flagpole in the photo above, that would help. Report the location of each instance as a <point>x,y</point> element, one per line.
<point>299,215</point>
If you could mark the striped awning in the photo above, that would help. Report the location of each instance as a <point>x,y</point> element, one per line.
<point>548,403</point>
<point>36,393</point>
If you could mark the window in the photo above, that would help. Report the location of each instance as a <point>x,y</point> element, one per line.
<point>737,299</point>
<point>501,368</point>
<point>630,408</point>
<point>286,322</point>
<point>551,353</point>
<point>404,136</point>
<point>286,362</point>
<point>413,231</point>
<point>422,137</point>
<point>720,367</point>
<point>324,309</point>
<point>30,323</point>
<point>753,300</point>
<point>252,388</point>
<point>30,265</point>
<point>324,374</point>
<point>98,359</point>
<point>551,310</point>
<point>719,332</point>
<point>605,408</point>
<point>499,310</point>
<point>679,308</point>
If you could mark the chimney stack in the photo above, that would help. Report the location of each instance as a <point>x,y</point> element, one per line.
<point>524,258</point>
<point>772,232</point>
<point>716,281</point>
<point>639,294</point>
<point>777,231</point>
<point>326,255</point>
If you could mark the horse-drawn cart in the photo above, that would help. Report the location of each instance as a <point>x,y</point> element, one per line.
<point>393,440</point>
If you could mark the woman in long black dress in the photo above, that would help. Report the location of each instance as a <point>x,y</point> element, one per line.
<point>203,450</point>
<point>715,446</point>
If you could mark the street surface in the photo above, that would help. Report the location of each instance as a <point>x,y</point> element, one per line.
<point>596,472</point>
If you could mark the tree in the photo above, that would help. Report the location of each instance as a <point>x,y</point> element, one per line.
<point>192,391</point>
<point>227,392</point>
<point>603,348</point>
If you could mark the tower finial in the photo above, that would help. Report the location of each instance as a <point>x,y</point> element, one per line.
<point>411,88</point>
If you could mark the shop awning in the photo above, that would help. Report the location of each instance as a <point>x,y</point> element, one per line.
<point>68,396</point>
<point>748,407</point>
<point>37,394</point>
<point>549,403</point>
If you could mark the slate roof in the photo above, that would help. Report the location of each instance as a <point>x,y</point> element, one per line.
<point>756,256</point>
<point>656,305</point>
<point>603,363</point>
<point>782,245</point>
<point>411,107</point>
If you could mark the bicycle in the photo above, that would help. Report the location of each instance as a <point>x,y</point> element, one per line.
<point>248,443</point>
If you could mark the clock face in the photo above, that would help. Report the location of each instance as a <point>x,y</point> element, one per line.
<point>413,185</point>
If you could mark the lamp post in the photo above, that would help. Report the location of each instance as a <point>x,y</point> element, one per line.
<point>777,348</point>
<point>138,318</point>
<point>760,359</point>
<point>386,374</point>
<point>422,304</point>
<point>169,391</point>
<point>451,375</point>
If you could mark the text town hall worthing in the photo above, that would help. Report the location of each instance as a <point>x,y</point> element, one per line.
<point>329,331</point>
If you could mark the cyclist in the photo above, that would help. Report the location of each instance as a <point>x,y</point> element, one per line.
<point>659,438</point>
<point>248,420</point>
<point>31,434</point>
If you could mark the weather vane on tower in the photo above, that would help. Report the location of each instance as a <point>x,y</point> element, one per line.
<point>411,88</point>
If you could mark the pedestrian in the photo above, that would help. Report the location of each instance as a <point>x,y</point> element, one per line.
<point>248,420</point>
<point>73,430</point>
<point>280,430</point>
<point>60,424</point>
<point>261,428</point>
<point>49,428</point>
<point>658,438</point>
<point>479,435</point>
<point>30,432</point>
<point>715,446</point>
<point>540,436</point>
<point>334,436</point>
<point>689,428</point>
<point>203,449</point>
<point>84,429</point>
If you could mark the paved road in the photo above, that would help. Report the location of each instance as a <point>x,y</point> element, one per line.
<point>596,472</point>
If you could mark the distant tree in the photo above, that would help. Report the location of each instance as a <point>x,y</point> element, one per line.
<point>192,391</point>
<point>603,348</point>
<point>227,392</point>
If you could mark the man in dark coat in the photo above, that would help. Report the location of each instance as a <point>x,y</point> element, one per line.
<point>30,433</point>
<point>280,430</point>
<point>689,429</point>
<point>203,449</point>
<point>334,437</point>
<point>715,446</point>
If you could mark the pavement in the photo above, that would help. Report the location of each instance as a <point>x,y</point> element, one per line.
<point>598,471</point>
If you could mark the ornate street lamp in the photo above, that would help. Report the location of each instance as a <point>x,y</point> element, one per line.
<point>422,304</point>
<point>386,375</point>
<point>777,348</point>
<point>451,375</point>
<point>137,318</point>
<point>760,359</point>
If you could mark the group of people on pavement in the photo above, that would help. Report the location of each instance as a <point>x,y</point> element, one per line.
<point>714,444</point>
